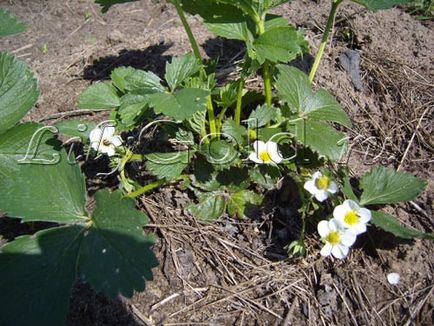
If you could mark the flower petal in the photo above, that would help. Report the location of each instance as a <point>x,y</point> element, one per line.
<point>339,212</point>
<point>340,251</point>
<point>351,204</point>
<point>323,228</point>
<point>276,157</point>
<point>110,150</point>
<point>358,228</point>
<point>95,135</point>
<point>109,131</point>
<point>326,250</point>
<point>333,188</point>
<point>365,215</point>
<point>321,195</point>
<point>348,238</point>
<point>316,175</point>
<point>259,146</point>
<point>393,278</point>
<point>254,157</point>
<point>117,141</point>
<point>310,187</point>
<point>334,225</point>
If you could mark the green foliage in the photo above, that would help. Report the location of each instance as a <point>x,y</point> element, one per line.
<point>135,80</point>
<point>10,25</point>
<point>180,69</point>
<point>261,116</point>
<point>18,90</point>
<point>75,129</point>
<point>168,165</point>
<point>99,96</point>
<point>240,201</point>
<point>391,224</point>
<point>386,186</point>
<point>210,207</point>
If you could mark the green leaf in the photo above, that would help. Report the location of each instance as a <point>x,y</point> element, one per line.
<point>36,277</point>
<point>210,207</point>
<point>219,152</point>
<point>266,176</point>
<point>168,165</point>
<point>138,81</point>
<point>99,96</point>
<point>390,224</point>
<point>197,122</point>
<point>222,19</point>
<point>180,69</point>
<point>10,25</point>
<point>106,4</point>
<point>294,88</point>
<point>320,137</point>
<point>234,132</point>
<point>181,105</point>
<point>76,128</point>
<point>110,251</point>
<point>132,107</point>
<point>384,185</point>
<point>228,94</point>
<point>346,188</point>
<point>281,44</point>
<point>261,116</point>
<point>37,183</point>
<point>18,90</point>
<point>381,4</point>
<point>116,256</point>
<point>240,201</point>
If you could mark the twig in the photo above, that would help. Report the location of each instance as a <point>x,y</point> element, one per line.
<point>71,114</point>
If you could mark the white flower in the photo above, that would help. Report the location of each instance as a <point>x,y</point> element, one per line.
<point>320,186</point>
<point>337,240</point>
<point>393,278</point>
<point>103,140</point>
<point>352,216</point>
<point>265,153</point>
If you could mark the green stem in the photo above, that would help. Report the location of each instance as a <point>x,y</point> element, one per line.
<point>187,28</point>
<point>146,188</point>
<point>239,106</point>
<point>211,117</point>
<point>325,37</point>
<point>268,84</point>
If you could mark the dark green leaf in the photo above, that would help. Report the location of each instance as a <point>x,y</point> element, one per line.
<point>10,25</point>
<point>140,81</point>
<point>180,69</point>
<point>99,96</point>
<point>181,105</point>
<point>116,256</point>
<point>219,152</point>
<point>76,128</point>
<point>36,277</point>
<point>132,107</point>
<point>234,132</point>
<point>106,4</point>
<point>37,183</point>
<point>390,224</point>
<point>18,90</point>
<point>210,207</point>
<point>266,176</point>
<point>261,116</point>
<point>281,44</point>
<point>240,201</point>
<point>384,185</point>
<point>382,4</point>
<point>168,165</point>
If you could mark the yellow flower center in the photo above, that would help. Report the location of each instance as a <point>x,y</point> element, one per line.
<point>265,157</point>
<point>334,238</point>
<point>351,217</point>
<point>323,182</point>
<point>106,142</point>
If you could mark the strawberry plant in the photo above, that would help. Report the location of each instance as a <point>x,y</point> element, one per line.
<point>224,143</point>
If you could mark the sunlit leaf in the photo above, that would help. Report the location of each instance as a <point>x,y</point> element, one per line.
<point>10,25</point>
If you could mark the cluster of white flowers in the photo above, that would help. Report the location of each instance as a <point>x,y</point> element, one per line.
<point>349,219</point>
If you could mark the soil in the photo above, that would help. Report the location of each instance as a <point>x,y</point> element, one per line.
<point>237,272</point>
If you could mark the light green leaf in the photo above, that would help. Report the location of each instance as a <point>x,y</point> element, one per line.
<point>281,44</point>
<point>261,116</point>
<point>294,88</point>
<point>381,4</point>
<point>274,21</point>
<point>99,96</point>
<point>168,165</point>
<point>390,224</point>
<point>234,132</point>
<point>181,105</point>
<point>36,277</point>
<point>320,137</point>
<point>37,183</point>
<point>240,201</point>
<point>180,69</point>
<point>228,94</point>
<point>139,81</point>
<point>384,185</point>
<point>18,90</point>
<point>76,128</point>
<point>115,256</point>
<point>197,122</point>
<point>10,25</point>
<point>106,4</point>
<point>210,207</point>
